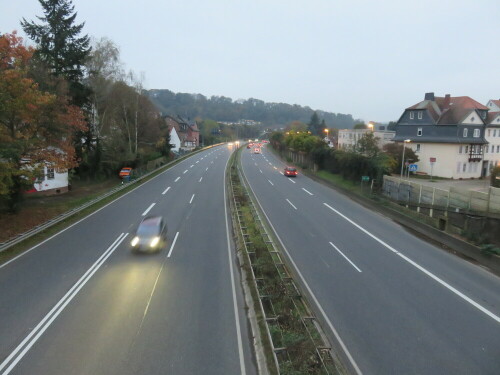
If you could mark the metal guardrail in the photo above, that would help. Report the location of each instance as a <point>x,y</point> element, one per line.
<point>40,228</point>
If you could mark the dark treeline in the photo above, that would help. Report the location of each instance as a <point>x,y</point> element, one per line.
<point>221,108</point>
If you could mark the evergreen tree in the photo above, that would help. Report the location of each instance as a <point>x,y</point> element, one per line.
<point>60,46</point>
<point>314,124</point>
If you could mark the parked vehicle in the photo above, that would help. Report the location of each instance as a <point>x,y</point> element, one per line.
<point>151,234</point>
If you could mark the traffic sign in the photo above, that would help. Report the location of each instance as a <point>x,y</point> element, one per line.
<point>413,167</point>
<point>432,160</point>
<point>365,178</point>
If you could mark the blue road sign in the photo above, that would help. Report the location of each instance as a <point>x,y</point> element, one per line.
<point>413,167</point>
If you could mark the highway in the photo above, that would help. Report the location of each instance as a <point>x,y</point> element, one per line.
<point>397,304</point>
<point>82,303</point>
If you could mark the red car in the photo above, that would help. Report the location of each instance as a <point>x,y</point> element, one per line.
<point>290,172</point>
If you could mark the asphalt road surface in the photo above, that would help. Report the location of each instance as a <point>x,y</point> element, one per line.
<point>82,303</point>
<point>396,303</point>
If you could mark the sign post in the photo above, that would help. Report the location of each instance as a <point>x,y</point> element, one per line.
<point>432,161</point>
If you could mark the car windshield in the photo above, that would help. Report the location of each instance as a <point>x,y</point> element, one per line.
<point>147,230</point>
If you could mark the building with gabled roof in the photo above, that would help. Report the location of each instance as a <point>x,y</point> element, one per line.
<point>492,136</point>
<point>448,135</point>
<point>493,105</point>
<point>186,132</point>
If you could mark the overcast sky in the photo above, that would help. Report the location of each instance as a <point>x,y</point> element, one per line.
<point>367,58</point>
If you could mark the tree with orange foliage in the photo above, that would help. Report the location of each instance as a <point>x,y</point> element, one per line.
<point>36,127</point>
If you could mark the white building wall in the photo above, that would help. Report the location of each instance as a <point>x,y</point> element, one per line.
<point>492,149</point>
<point>473,118</point>
<point>450,162</point>
<point>492,106</point>
<point>175,140</point>
<point>52,179</point>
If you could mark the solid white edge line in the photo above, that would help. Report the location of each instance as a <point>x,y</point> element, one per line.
<point>191,200</point>
<point>58,308</point>
<point>173,244</point>
<point>416,265</point>
<point>341,253</point>
<point>233,287</point>
<point>313,296</point>
<point>165,192</point>
<point>308,192</point>
<point>148,209</point>
<point>177,179</point>
<point>291,204</point>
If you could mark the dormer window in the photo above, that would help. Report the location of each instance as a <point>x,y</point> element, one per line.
<point>420,115</point>
<point>412,115</point>
<point>465,132</point>
<point>477,133</point>
<point>419,132</point>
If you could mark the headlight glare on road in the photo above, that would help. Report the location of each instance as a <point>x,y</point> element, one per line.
<point>135,241</point>
<point>155,241</point>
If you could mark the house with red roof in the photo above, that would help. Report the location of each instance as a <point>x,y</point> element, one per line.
<point>492,136</point>
<point>184,135</point>
<point>448,135</point>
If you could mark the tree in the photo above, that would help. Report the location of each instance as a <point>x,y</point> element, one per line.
<point>314,124</point>
<point>59,45</point>
<point>36,127</point>
<point>392,125</point>
<point>368,145</point>
<point>395,150</point>
<point>360,125</point>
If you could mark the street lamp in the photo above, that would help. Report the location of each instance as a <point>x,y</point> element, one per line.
<point>326,131</point>
<point>370,125</point>
<point>403,158</point>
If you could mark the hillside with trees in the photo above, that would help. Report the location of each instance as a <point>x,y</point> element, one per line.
<point>221,108</point>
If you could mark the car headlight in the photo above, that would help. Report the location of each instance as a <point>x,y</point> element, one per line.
<point>135,241</point>
<point>155,241</point>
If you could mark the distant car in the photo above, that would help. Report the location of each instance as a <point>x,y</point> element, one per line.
<point>290,172</point>
<point>256,150</point>
<point>151,234</point>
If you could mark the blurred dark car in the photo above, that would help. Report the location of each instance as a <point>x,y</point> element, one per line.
<point>290,172</point>
<point>151,235</point>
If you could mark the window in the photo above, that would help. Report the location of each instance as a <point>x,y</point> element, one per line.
<point>465,132</point>
<point>492,149</point>
<point>460,150</point>
<point>418,148</point>
<point>477,132</point>
<point>420,115</point>
<point>495,133</point>
<point>472,119</point>
<point>498,149</point>
<point>412,115</point>
<point>50,173</point>
<point>466,149</point>
<point>464,167</point>
<point>489,132</point>
<point>419,132</point>
<point>458,167</point>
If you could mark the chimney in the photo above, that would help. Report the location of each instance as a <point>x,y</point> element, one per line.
<point>429,96</point>
<point>446,103</point>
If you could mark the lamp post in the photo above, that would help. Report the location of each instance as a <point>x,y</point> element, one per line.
<point>370,125</point>
<point>403,157</point>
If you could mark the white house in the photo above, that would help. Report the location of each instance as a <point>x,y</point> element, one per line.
<point>348,138</point>
<point>52,181</point>
<point>175,140</point>
<point>493,105</point>
<point>448,130</point>
<point>492,136</point>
